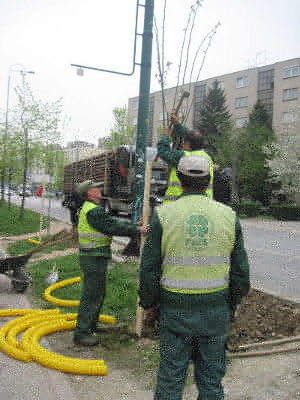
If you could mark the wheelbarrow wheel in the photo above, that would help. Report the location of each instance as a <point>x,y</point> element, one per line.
<point>19,287</point>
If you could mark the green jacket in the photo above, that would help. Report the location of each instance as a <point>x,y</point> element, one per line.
<point>104,223</point>
<point>171,157</point>
<point>212,306</point>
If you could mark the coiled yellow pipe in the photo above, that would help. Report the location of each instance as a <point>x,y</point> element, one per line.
<point>58,285</point>
<point>37,323</point>
<point>30,342</point>
<point>9,346</point>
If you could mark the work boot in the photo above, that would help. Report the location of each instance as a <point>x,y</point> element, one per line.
<point>89,340</point>
<point>100,329</point>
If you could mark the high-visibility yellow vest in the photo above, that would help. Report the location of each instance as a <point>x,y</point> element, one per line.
<point>174,187</point>
<point>88,237</point>
<point>197,241</point>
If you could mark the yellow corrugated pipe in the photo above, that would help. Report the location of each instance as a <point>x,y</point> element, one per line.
<point>58,285</point>
<point>30,342</point>
<point>37,323</point>
<point>9,346</point>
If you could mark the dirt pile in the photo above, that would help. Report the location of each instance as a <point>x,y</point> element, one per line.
<point>263,317</point>
<point>260,317</point>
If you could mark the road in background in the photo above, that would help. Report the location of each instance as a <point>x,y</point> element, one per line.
<point>274,254</point>
<point>273,249</point>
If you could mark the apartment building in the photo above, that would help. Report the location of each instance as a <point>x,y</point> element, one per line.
<point>276,85</point>
<point>78,150</point>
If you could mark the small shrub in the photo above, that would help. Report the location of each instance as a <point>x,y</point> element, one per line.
<point>247,208</point>
<point>285,212</point>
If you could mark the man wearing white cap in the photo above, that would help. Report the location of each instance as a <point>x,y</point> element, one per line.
<point>195,269</point>
<point>95,231</point>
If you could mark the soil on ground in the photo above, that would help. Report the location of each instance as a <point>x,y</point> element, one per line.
<point>260,317</point>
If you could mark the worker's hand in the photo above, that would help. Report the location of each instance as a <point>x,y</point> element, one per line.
<point>140,221</point>
<point>174,119</point>
<point>166,132</point>
<point>152,316</point>
<point>144,230</point>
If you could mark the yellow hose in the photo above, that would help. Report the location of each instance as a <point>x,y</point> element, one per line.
<point>58,285</point>
<point>9,346</point>
<point>30,342</point>
<point>15,327</point>
<point>37,323</point>
<point>33,241</point>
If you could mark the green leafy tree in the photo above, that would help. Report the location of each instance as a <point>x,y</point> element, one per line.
<point>214,117</point>
<point>285,165</point>
<point>122,131</point>
<point>37,125</point>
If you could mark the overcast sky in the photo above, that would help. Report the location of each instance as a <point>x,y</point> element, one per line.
<point>46,36</point>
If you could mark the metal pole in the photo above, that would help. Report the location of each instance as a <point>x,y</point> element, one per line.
<point>145,78</point>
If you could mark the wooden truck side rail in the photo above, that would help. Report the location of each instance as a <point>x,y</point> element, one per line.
<point>95,168</point>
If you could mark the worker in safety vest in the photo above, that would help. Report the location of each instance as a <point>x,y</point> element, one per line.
<point>194,268</point>
<point>192,145</point>
<point>95,231</point>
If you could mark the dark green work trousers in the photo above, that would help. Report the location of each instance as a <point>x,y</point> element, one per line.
<point>92,295</point>
<point>208,355</point>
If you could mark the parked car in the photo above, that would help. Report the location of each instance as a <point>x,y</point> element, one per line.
<point>27,192</point>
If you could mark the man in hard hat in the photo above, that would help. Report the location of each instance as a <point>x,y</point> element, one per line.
<point>192,145</point>
<point>195,268</point>
<point>95,231</point>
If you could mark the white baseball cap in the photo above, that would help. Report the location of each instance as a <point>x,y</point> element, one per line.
<point>195,166</point>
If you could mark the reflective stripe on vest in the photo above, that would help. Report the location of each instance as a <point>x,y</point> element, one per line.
<point>88,237</point>
<point>174,187</point>
<point>197,241</point>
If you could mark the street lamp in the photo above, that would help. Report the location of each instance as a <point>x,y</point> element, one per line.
<point>21,69</point>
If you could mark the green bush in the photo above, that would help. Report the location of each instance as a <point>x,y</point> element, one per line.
<point>248,208</point>
<point>285,212</point>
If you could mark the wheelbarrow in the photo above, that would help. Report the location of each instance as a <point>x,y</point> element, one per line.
<point>14,266</point>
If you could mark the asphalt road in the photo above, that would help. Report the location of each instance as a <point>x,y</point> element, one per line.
<point>273,249</point>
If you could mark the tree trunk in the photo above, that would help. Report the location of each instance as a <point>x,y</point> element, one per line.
<point>25,173</point>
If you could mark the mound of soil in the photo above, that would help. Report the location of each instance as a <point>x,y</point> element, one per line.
<point>260,317</point>
<point>263,317</point>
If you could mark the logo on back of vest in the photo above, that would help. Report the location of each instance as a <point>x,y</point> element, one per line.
<point>196,231</point>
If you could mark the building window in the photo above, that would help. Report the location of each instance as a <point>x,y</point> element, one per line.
<point>161,116</point>
<point>266,80</point>
<point>241,122</point>
<point>243,81</point>
<point>200,92</point>
<point>135,104</point>
<point>289,72</point>
<point>288,117</point>
<point>290,94</point>
<point>134,121</point>
<point>241,102</point>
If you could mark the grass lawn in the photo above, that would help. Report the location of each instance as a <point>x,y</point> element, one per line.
<point>23,246</point>
<point>10,223</point>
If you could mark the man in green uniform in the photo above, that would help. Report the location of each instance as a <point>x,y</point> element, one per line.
<point>195,269</point>
<point>192,145</point>
<point>95,231</point>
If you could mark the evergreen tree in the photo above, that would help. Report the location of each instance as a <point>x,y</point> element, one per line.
<point>214,117</point>
<point>255,173</point>
<point>259,116</point>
